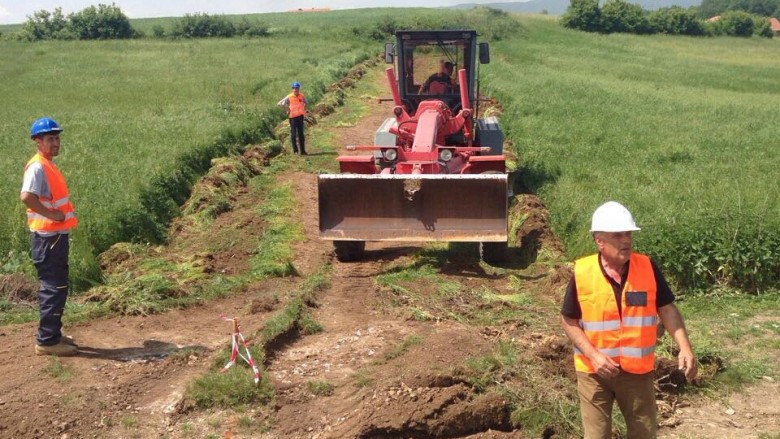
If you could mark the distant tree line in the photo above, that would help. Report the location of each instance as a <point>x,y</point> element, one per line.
<point>764,8</point>
<point>205,26</point>
<point>108,22</point>
<point>624,17</point>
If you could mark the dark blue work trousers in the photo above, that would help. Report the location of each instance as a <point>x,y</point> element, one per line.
<point>50,255</point>
<point>296,134</point>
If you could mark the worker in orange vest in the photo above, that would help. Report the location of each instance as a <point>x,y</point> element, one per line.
<point>50,217</point>
<point>610,313</point>
<point>295,103</point>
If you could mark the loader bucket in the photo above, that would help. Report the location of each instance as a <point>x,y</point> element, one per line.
<point>395,207</point>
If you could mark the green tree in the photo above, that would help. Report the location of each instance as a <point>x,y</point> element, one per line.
<point>764,8</point>
<point>203,26</point>
<point>736,23</point>
<point>676,21</point>
<point>762,27</point>
<point>44,25</point>
<point>583,15</point>
<point>103,22</point>
<point>625,17</point>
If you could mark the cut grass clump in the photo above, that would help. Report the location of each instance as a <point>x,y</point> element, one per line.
<point>275,255</point>
<point>403,348</point>
<point>56,369</point>
<point>234,388</point>
<point>320,387</point>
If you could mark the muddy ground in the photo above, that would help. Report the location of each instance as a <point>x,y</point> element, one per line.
<point>391,375</point>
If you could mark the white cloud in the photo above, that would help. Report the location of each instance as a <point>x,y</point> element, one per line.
<point>4,12</point>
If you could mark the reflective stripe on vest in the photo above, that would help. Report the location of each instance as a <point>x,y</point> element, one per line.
<point>297,106</point>
<point>629,339</point>
<point>60,200</point>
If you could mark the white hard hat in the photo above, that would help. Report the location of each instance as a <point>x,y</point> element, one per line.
<point>613,217</point>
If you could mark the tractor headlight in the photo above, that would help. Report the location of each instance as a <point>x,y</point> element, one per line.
<point>445,155</point>
<point>391,155</point>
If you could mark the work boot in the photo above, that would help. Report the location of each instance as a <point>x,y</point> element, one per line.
<point>67,339</point>
<point>60,349</point>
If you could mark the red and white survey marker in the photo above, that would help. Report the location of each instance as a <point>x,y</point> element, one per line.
<point>235,351</point>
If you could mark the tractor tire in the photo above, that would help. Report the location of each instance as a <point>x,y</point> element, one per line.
<point>494,253</point>
<point>349,251</point>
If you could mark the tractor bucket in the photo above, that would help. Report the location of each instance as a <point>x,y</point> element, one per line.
<point>394,207</point>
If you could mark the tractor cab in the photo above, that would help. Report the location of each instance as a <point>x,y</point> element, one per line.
<point>428,62</point>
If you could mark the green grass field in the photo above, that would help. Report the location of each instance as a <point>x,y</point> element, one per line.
<point>683,131</point>
<point>131,109</point>
<point>143,117</point>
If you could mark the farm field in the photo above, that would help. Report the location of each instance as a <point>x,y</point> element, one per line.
<point>678,129</point>
<point>417,340</point>
<point>132,110</point>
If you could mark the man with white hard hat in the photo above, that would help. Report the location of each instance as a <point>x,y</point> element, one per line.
<point>610,313</point>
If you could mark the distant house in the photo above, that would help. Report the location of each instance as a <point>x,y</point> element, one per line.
<point>713,19</point>
<point>775,23</point>
<point>310,10</point>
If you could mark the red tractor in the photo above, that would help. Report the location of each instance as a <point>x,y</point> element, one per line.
<point>435,174</point>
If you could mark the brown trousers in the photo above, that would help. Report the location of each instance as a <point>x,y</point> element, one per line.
<point>635,395</point>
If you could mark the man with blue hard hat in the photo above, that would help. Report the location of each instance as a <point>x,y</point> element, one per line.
<point>295,103</point>
<point>50,217</point>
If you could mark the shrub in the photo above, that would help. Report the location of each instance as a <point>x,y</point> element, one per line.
<point>203,26</point>
<point>101,23</point>
<point>252,28</point>
<point>676,21</point>
<point>625,17</point>
<point>762,27</point>
<point>735,23</point>
<point>45,25</point>
<point>583,15</point>
<point>158,31</point>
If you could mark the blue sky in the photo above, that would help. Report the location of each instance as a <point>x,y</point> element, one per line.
<point>16,11</point>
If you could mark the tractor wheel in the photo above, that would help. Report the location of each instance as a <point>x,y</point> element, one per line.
<point>349,251</point>
<point>494,253</point>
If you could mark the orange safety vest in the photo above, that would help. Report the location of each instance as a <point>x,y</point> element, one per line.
<point>60,200</point>
<point>297,106</point>
<point>630,340</point>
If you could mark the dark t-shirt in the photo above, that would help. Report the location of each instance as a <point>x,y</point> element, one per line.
<point>571,305</point>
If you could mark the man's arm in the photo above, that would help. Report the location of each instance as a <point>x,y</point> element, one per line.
<point>673,322</point>
<point>34,203</point>
<point>285,102</point>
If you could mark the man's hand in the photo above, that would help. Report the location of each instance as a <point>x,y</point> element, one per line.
<point>56,215</point>
<point>687,362</point>
<point>605,366</point>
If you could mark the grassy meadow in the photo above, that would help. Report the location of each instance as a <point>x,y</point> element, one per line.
<point>143,117</point>
<point>683,131</point>
<point>132,109</point>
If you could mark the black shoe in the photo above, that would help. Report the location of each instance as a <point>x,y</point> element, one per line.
<point>304,153</point>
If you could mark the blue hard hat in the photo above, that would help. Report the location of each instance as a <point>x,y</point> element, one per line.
<point>296,84</point>
<point>44,125</point>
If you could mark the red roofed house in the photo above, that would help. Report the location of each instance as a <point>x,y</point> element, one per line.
<point>775,23</point>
